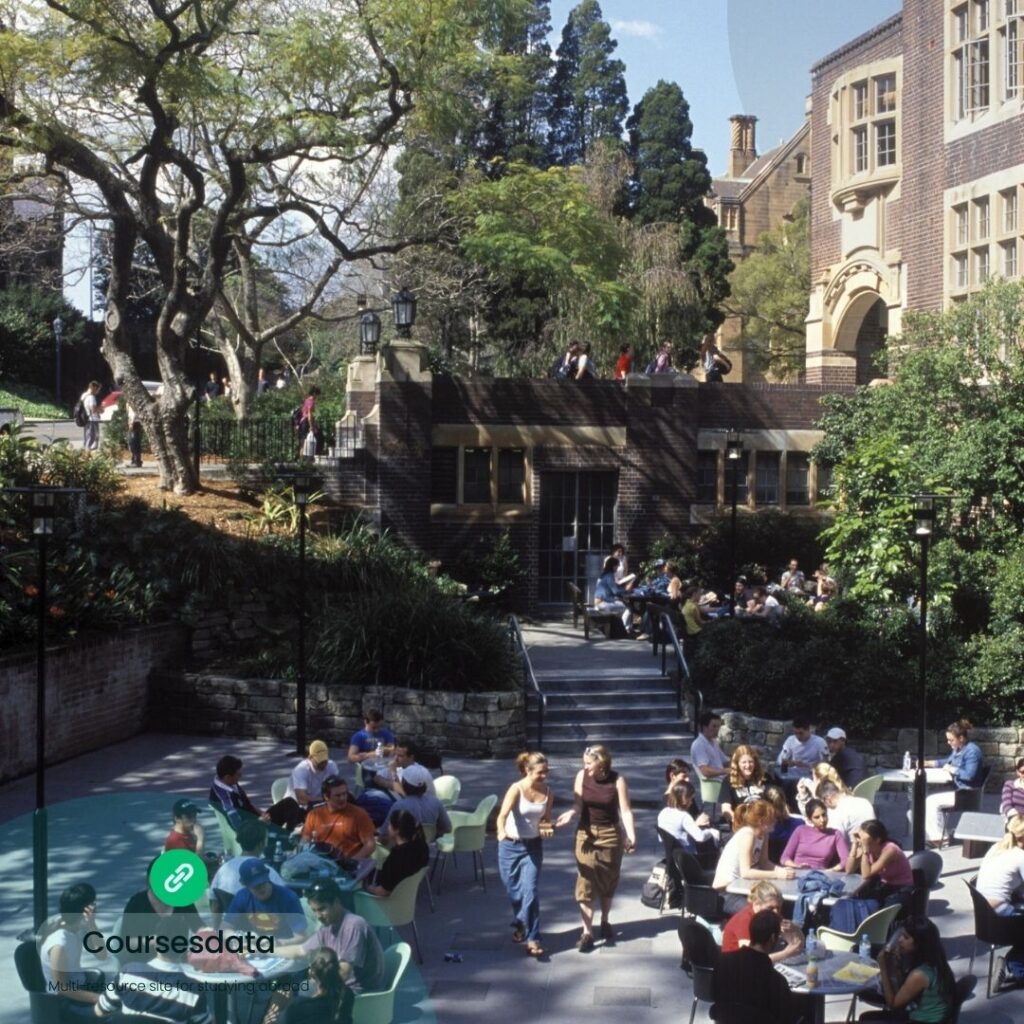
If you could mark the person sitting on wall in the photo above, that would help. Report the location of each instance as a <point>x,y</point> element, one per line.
<point>624,364</point>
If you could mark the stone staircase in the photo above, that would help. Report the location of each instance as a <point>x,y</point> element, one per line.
<point>632,711</point>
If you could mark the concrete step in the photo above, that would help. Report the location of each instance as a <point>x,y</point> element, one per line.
<point>624,699</point>
<point>628,718</point>
<point>618,683</point>
<point>663,743</point>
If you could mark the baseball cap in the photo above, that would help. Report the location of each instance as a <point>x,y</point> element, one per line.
<point>659,561</point>
<point>253,872</point>
<point>835,733</point>
<point>318,749</point>
<point>416,775</point>
<point>184,809</point>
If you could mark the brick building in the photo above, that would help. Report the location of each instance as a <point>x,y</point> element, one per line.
<point>566,467</point>
<point>755,195</point>
<point>918,150</point>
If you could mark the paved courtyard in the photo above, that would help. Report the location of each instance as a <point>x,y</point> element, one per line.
<point>110,812</point>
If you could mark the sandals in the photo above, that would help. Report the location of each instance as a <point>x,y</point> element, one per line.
<point>585,943</point>
<point>534,949</point>
<point>519,932</point>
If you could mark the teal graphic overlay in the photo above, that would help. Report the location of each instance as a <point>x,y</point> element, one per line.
<point>178,878</point>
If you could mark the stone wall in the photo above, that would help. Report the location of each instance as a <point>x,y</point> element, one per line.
<point>97,690</point>
<point>1001,746</point>
<point>464,724</point>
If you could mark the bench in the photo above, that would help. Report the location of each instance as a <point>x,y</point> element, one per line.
<point>608,623</point>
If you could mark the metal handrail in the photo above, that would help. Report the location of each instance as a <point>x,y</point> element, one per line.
<point>515,635</point>
<point>666,631</point>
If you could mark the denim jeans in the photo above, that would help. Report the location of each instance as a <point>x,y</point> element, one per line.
<point>519,864</point>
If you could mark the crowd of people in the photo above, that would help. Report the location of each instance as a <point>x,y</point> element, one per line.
<point>577,363</point>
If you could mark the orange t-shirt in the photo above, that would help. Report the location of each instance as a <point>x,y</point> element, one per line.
<point>347,830</point>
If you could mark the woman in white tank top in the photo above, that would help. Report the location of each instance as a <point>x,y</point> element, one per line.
<point>523,821</point>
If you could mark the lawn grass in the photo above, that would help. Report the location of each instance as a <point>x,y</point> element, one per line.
<point>31,400</point>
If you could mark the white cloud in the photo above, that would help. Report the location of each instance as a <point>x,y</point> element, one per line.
<point>642,29</point>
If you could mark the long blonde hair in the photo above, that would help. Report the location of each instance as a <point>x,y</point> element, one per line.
<point>1014,836</point>
<point>823,771</point>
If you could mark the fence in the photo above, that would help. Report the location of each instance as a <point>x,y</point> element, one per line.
<point>263,440</point>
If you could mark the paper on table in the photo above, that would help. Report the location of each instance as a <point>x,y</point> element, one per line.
<point>855,973</point>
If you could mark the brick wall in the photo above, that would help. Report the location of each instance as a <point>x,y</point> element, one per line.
<point>761,406</point>
<point>96,694</point>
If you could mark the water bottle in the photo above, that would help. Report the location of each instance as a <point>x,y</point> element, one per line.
<point>812,945</point>
<point>906,761</point>
<point>380,751</point>
<point>864,950</point>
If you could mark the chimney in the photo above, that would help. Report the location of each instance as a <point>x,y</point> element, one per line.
<point>742,148</point>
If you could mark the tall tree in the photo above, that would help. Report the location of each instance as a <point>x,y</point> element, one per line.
<point>588,88</point>
<point>197,127</point>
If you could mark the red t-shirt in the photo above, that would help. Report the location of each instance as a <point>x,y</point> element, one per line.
<point>179,841</point>
<point>737,929</point>
<point>623,366</point>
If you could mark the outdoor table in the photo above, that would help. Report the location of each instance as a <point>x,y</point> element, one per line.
<point>979,831</point>
<point>830,962</point>
<point>790,887</point>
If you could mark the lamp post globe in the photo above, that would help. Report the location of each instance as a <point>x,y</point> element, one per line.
<point>369,333</point>
<point>403,306</point>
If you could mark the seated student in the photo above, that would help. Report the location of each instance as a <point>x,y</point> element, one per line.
<point>929,990</point>
<point>792,579</point>
<point>262,905</point>
<point>807,789</point>
<point>706,753</point>
<point>848,762</point>
<point>252,838</point>
<point>745,855</point>
<point>963,764</point>
<point>424,807</point>
<point>145,906</point>
<point>330,1002</point>
<point>1001,875</point>
<point>785,823</point>
<point>408,854</point>
<point>747,976</point>
<point>305,785</point>
<point>186,833</point>
<point>339,827</point>
<point>403,762</point>
<point>157,988</point>
<point>364,746</point>
<point>802,750</point>
<point>846,812</point>
<point>746,780</point>
<point>608,594</point>
<point>60,951</point>
<point>881,863</point>
<point>1011,800</point>
<point>815,845</point>
<point>227,795</point>
<point>623,576</point>
<point>677,770</point>
<point>764,606</point>
<point>675,819</point>
<point>763,896</point>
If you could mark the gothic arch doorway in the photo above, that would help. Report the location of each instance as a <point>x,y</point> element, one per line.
<point>862,333</point>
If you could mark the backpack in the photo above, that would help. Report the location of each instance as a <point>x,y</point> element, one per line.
<point>81,417</point>
<point>560,369</point>
<point>297,417</point>
<point>847,914</point>
<point>652,893</point>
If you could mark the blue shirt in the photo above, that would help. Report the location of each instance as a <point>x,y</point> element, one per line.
<point>607,589</point>
<point>364,741</point>
<point>282,902</point>
<point>967,762</point>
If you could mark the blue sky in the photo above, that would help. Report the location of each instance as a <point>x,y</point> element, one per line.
<point>731,56</point>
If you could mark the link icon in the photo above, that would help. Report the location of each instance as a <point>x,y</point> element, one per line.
<point>178,878</point>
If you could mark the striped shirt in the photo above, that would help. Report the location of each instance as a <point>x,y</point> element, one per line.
<point>157,988</point>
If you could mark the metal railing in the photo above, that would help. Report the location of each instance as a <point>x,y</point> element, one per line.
<point>665,634</point>
<point>515,636</point>
<point>265,440</point>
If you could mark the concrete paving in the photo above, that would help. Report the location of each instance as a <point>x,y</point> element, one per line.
<point>110,811</point>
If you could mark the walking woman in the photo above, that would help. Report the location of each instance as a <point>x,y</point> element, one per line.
<point>604,831</point>
<point>523,821</point>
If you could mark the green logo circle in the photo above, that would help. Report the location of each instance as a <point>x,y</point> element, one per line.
<point>178,878</point>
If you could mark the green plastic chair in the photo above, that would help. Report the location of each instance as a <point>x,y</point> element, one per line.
<point>395,910</point>
<point>379,1007</point>
<point>710,791</point>
<point>227,834</point>
<point>469,831</point>
<point>278,788</point>
<point>447,789</point>
<point>868,788</point>
<point>876,926</point>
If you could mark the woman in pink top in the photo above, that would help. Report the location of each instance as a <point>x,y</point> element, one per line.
<point>881,862</point>
<point>816,845</point>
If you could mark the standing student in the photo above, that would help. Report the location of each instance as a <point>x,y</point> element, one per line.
<point>604,831</point>
<point>91,403</point>
<point>523,819</point>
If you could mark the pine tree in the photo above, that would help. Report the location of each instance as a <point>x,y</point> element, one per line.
<point>588,88</point>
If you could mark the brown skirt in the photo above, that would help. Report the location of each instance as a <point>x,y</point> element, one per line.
<point>598,861</point>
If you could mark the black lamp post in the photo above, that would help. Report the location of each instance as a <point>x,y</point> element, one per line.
<point>44,509</point>
<point>733,454</point>
<point>369,333</point>
<point>924,523</point>
<point>303,485</point>
<point>403,305</point>
<point>58,335</point>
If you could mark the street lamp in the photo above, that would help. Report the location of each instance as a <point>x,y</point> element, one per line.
<point>369,333</point>
<point>303,485</point>
<point>44,510</point>
<point>733,454</point>
<point>403,305</point>
<point>924,523</point>
<point>58,335</point>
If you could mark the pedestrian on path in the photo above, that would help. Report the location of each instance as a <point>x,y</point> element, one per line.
<point>91,404</point>
<point>605,830</point>
<point>524,820</point>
